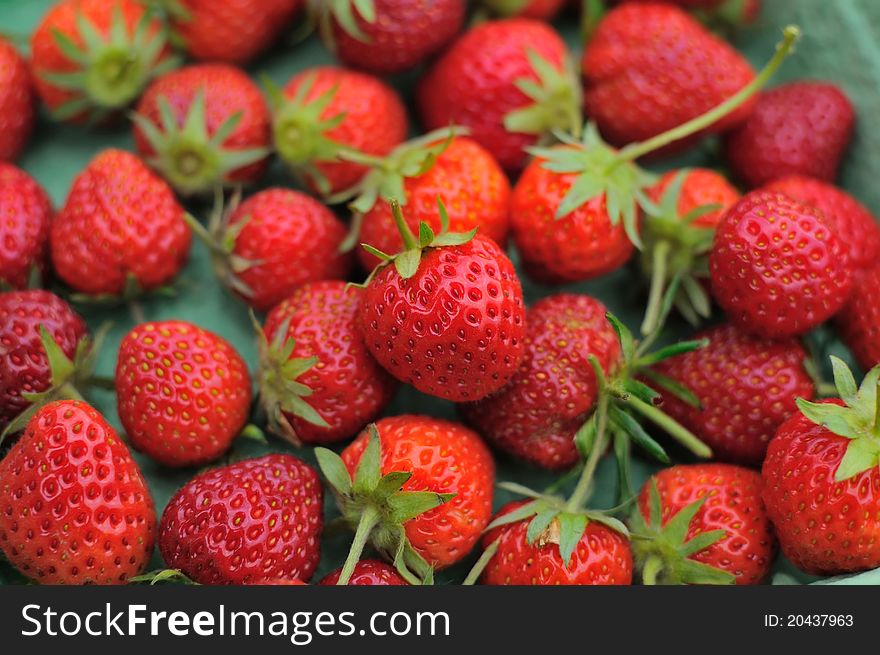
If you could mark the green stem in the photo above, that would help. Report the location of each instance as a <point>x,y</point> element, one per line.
<point>481,563</point>
<point>369,519</point>
<point>409,240</point>
<point>579,495</point>
<point>660,261</point>
<point>102,382</point>
<point>675,429</point>
<point>651,569</point>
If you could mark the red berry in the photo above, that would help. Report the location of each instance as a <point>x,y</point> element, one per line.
<point>24,231</point>
<point>368,572</point>
<point>17,103</point>
<point>859,321</point>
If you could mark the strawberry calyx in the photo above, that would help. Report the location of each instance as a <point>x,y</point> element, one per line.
<point>323,13</point>
<point>376,507</point>
<point>187,156</point>
<point>858,419</point>
<point>163,576</point>
<point>112,69</point>
<point>506,7</point>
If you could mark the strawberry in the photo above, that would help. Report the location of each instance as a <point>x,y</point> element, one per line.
<point>777,267</point>
<point>510,82</point>
<point>538,9</point>
<point>368,572</point>
<point>121,229</point>
<point>325,112</point>
<point>183,393</point>
<point>418,488</point>
<point>800,128</point>
<point>231,31</point>
<point>822,479</point>
<point>445,315</point>
<point>387,36</point>
<point>746,387</point>
<point>24,232</point>
<point>92,58</point>
<point>703,524</point>
<point>202,126</point>
<point>272,243</point>
<point>251,522</point>
<point>17,103</point>
<point>852,222</point>
<point>74,507</point>
<point>313,354</point>
<point>650,67</point>
<point>601,556</point>
<point>858,323</point>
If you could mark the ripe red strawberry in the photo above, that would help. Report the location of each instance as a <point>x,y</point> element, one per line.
<point>822,480</point>
<point>324,112</point>
<point>536,416</point>
<point>538,9</point>
<point>24,230</point>
<point>273,243</point>
<point>777,267</point>
<point>368,572</point>
<point>853,224</point>
<point>388,36</point>
<point>858,323</point>
<point>703,524</point>
<point>121,228</point>
<point>74,508</point>
<point>800,128</point>
<point>17,103</point>
<point>202,126</point>
<point>602,556</point>
<point>232,31</point>
<point>746,387</point>
<point>251,522</point>
<point>92,58</point>
<point>651,66</point>
<point>510,82</point>
<point>183,393</point>
<point>314,355</point>
<point>446,315</point>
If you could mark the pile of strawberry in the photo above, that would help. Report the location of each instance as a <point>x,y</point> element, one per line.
<point>384,262</point>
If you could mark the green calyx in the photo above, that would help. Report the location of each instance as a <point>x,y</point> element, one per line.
<point>664,553</point>
<point>112,69</point>
<point>163,576</point>
<point>376,507</point>
<point>506,7</point>
<point>187,156</point>
<point>323,13</point>
<point>858,420</point>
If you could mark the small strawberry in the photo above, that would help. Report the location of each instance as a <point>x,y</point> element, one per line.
<point>510,82</point>
<point>822,479</point>
<point>183,393</point>
<point>853,224</point>
<point>121,229</point>
<point>74,507</point>
<point>251,522</point>
<point>323,113</point>
<point>92,58</point>
<point>445,315</point>
<point>859,321</point>
<point>387,36</point>
<point>800,128</point>
<point>418,488</point>
<point>272,243</point>
<point>17,103</point>
<point>368,572</point>
<point>703,524</point>
<point>538,9</point>
<point>777,267</point>
<point>24,230</point>
<point>313,354</point>
<point>746,387</point>
<point>202,126</point>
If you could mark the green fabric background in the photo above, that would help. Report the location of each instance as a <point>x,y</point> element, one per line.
<point>841,43</point>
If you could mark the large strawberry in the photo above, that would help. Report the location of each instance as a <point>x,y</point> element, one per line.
<point>121,229</point>
<point>800,128</point>
<point>203,126</point>
<point>251,522</point>
<point>387,36</point>
<point>777,267</point>
<point>368,572</point>
<point>418,488</point>
<point>183,393</point>
<point>325,112</point>
<point>74,507</point>
<point>822,476</point>
<point>92,58</point>
<point>17,103</point>
<point>24,230</point>
<point>859,321</point>
<point>446,314</point>
<point>318,381</point>
<point>510,82</point>
<point>703,524</point>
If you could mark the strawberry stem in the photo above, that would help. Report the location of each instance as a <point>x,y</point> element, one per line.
<point>409,240</point>
<point>579,495</point>
<point>369,519</point>
<point>681,434</point>
<point>658,280</point>
<point>481,564</point>
<point>652,567</point>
